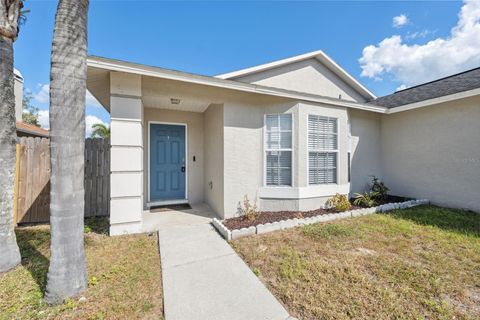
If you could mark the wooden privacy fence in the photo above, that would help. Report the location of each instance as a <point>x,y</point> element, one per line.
<point>32,180</point>
<point>32,184</point>
<point>97,177</point>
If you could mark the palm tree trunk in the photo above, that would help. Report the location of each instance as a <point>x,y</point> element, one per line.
<point>67,275</point>
<point>9,252</point>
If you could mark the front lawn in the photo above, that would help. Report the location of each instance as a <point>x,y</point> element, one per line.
<point>416,263</point>
<point>124,277</point>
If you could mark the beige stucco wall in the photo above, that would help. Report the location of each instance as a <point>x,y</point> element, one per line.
<point>309,76</point>
<point>244,156</point>
<point>213,166</point>
<point>195,147</point>
<point>366,157</point>
<point>434,153</point>
<point>243,149</point>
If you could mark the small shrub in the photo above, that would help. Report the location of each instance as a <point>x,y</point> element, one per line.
<point>366,199</point>
<point>379,188</point>
<point>250,211</point>
<point>339,202</point>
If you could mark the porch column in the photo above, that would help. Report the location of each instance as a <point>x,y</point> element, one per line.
<point>126,180</point>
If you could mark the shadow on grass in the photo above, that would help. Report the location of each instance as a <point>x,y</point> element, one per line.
<point>34,244</point>
<point>98,225</point>
<point>30,241</point>
<point>459,221</point>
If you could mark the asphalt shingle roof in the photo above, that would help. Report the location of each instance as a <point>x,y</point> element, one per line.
<point>464,81</point>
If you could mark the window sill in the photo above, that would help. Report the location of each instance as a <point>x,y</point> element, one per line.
<point>316,191</point>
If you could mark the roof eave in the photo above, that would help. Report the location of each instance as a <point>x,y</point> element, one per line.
<point>32,132</point>
<point>434,101</point>
<point>128,67</point>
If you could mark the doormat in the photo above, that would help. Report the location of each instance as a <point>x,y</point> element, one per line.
<point>176,207</point>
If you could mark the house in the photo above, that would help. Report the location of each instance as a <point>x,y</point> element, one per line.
<point>290,134</point>
<point>24,129</point>
<point>30,130</point>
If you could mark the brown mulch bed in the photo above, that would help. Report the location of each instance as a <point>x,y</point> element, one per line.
<point>274,216</point>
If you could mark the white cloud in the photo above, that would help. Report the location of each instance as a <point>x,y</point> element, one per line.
<point>401,87</point>
<point>89,122</point>
<point>400,21</point>
<point>43,119</point>
<point>43,95</point>
<point>418,63</point>
<point>419,34</point>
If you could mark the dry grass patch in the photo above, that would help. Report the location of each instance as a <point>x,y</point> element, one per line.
<point>409,264</point>
<point>124,277</point>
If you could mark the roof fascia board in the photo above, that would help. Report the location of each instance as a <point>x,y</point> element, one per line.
<point>121,66</point>
<point>319,55</point>
<point>267,66</point>
<point>429,102</point>
<point>32,132</point>
<point>323,57</point>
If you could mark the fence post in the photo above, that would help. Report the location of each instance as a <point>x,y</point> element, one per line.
<point>15,189</point>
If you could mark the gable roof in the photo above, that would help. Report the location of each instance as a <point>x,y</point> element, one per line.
<point>460,82</point>
<point>107,65</point>
<point>319,55</point>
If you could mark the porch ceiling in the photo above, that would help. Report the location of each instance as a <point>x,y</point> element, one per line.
<point>98,83</point>
<point>159,93</point>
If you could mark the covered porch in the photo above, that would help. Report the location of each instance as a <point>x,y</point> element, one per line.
<point>165,146</point>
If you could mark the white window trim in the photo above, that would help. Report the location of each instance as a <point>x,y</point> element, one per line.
<point>323,151</point>
<point>265,150</point>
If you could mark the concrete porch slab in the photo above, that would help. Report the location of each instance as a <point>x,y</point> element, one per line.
<point>199,214</point>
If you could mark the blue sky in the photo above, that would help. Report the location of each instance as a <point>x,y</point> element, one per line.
<point>215,37</point>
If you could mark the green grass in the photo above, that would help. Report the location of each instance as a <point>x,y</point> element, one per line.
<point>124,280</point>
<point>408,264</point>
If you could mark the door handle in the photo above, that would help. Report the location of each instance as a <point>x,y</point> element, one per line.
<point>183,169</point>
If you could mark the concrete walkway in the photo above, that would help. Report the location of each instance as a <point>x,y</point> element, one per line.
<point>203,278</point>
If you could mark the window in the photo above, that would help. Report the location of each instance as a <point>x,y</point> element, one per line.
<point>322,149</point>
<point>278,149</point>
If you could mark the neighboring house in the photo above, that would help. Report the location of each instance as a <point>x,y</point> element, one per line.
<point>291,134</point>
<point>29,130</point>
<point>24,129</point>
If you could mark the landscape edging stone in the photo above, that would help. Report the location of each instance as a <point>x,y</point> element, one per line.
<point>295,222</point>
